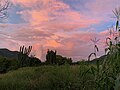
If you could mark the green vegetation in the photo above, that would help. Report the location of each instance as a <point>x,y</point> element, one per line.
<point>20,59</point>
<point>53,58</point>
<point>23,55</point>
<point>64,77</point>
<point>7,64</point>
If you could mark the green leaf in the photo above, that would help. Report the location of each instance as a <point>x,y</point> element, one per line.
<point>98,65</point>
<point>96,47</point>
<point>107,42</point>
<point>84,73</point>
<point>107,50</point>
<point>91,55</point>
<point>117,24</point>
<point>93,70</point>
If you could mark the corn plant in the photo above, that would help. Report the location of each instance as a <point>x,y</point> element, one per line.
<point>117,15</point>
<point>107,75</point>
<point>95,41</point>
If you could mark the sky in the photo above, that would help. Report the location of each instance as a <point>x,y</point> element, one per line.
<point>63,25</point>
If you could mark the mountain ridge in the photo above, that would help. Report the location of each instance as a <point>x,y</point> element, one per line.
<point>4,52</point>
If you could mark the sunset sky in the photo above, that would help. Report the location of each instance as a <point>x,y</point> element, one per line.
<point>64,25</point>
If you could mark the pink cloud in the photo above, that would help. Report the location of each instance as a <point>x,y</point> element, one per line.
<point>102,9</point>
<point>52,43</point>
<point>76,45</point>
<point>51,24</point>
<point>49,14</point>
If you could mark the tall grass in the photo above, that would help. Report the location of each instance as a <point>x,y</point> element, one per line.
<point>47,78</point>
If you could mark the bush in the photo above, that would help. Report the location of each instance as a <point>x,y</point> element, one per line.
<point>4,65</point>
<point>7,64</point>
<point>33,61</point>
<point>62,60</point>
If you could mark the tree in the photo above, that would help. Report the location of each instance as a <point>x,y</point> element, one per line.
<point>51,56</point>
<point>4,5</point>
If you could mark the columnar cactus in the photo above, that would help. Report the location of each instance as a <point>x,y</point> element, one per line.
<point>25,50</point>
<point>23,55</point>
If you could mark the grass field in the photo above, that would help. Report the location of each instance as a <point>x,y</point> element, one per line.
<point>46,78</point>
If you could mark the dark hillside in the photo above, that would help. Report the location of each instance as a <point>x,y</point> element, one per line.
<point>7,53</point>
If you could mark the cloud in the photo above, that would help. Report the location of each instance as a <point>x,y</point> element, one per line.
<point>102,9</point>
<point>52,13</point>
<point>54,24</point>
<point>29,34</point>
<point>52,43</point>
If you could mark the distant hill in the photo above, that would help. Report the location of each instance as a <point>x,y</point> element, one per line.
<point>7,53</point>
<point>100,59</point>
<point>13,54</point>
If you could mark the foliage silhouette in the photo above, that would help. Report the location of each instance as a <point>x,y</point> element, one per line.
<point>23,55</point>
<point>51,57</point>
